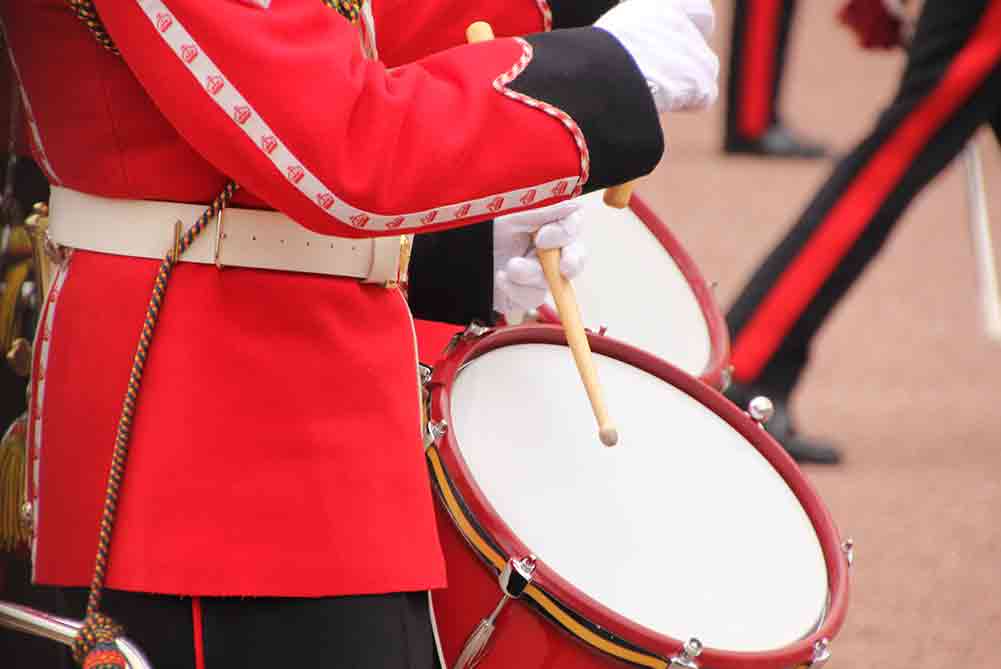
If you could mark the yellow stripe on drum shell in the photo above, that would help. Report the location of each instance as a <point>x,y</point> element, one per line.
<point>467,530</point>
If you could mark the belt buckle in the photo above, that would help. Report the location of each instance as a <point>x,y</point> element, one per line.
<point>403,263</point>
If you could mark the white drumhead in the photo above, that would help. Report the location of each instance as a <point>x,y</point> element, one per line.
<point>683,527</point>
<point>632,286</point>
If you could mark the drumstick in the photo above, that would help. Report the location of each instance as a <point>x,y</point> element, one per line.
<point>618,196</point>
<point>573,327</point>
<point>983,248</point>
<point>566,305</point>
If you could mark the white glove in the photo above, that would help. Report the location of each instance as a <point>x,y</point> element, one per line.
<point>667,39</point>
<point>519,283</point>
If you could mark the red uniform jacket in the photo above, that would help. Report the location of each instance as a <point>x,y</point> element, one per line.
<point>275,449</point>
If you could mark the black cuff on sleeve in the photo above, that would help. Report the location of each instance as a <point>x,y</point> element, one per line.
<point>578,13</point>
<point>452,275</point>
<point>588,74</point>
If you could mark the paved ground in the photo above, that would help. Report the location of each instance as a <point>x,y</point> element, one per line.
<point>902,377</point>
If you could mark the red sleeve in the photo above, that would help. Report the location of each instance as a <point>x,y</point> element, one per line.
<point>407,31</point>
<point>283,102</point>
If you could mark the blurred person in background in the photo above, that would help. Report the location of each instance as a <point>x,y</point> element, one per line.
<point>950,87</point>
<point>758,45</point>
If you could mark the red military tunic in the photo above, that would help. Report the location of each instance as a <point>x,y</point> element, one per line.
<point>275,449</point>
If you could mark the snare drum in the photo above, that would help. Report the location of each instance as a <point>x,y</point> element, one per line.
<point>642,286</point>
<point>697,525</point>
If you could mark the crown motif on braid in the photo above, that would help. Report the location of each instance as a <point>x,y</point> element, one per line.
<point>86,12</point>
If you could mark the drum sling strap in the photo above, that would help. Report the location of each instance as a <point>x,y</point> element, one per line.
<point>94,646</point>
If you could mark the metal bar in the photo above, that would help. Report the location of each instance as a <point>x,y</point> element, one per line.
<point>983,246</point>
<point>23,619</point>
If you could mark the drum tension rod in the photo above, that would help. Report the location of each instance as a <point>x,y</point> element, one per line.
<point>848,548</point>
<point>689,652</point>
<point>821,654</point>
<point>513,579</point>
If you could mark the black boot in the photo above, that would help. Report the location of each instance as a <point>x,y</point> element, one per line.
<point>777,142</point>
<point>782,429</point>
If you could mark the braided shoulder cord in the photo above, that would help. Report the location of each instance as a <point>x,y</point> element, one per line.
<point>97,635</point>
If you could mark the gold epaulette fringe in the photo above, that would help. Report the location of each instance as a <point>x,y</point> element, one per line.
<point>13,458</point>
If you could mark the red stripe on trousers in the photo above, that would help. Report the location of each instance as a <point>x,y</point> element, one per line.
<point>760,44</point>
<point>196,630</point>
<point>846,221</point>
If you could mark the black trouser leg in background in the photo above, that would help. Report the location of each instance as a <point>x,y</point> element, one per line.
<point>951,87</point>
<point>757,61</point>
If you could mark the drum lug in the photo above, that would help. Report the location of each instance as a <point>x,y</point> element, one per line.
<point>761,409</point>
<point>516,576</point>
<point>513,580</point>
<point>848,548</point>
<point>691,650</point>
<point>425,371</point>
<point>821,654</point>
<point>474,330</point>
<point>435,431</point>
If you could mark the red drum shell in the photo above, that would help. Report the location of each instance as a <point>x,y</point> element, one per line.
<point>526,639</point>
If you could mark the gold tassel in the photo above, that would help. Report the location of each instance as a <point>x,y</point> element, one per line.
<point>10,294</point>
<point>13,459</point>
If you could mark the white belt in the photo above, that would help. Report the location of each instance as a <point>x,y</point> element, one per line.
<point>250,238</point>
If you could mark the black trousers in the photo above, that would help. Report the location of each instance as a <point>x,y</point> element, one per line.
<point>757,62</point>
<point>951,86</point>
<point>360,632</point>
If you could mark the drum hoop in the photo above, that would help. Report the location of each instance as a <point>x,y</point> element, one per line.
<point>604,629</point>
<point>719,335</point>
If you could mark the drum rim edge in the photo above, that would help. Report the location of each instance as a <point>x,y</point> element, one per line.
<point>639,644</point>
<point>719,336</point>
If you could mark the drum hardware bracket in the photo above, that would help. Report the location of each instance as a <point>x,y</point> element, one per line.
<point>425,371</point>
<point>686,660</point>
<point>821,654</point>
<point>761,410</point>
<point>726,378</point>
<point>848,548</point>
<point>513,579</point>
<point>434,432</point>
<point>474,330</point>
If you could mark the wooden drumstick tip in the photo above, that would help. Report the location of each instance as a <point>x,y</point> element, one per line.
<point>618,197</point>
<point>479,31</point>
<point>609,436</point>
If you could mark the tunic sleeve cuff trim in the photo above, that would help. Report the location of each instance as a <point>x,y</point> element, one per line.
<point>501,84</point>
<point>589,74</point>
<point>547,14</point>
